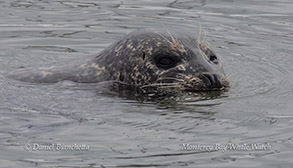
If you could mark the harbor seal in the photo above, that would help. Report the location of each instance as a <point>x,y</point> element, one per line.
<point>145,58</point>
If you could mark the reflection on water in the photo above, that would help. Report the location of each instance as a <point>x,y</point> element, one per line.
<point>253,39</point>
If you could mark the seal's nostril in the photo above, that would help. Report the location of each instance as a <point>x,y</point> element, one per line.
<point>206,78</point>
<point>211,80</point>
<point>218,83</point>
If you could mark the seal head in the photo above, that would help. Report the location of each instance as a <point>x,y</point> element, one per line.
<point>165,59</point>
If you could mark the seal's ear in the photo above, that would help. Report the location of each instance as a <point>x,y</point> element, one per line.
<point>210,55</point>
<point>143,55</point>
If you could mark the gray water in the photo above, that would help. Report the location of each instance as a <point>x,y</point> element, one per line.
<point>254,39</point>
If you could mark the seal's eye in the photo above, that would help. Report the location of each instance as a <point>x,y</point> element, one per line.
<point>165,62</point>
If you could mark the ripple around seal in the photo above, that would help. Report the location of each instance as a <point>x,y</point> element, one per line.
<point>256,76</point>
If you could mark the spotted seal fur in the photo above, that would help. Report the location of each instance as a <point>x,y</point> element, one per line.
<point>150,57</point>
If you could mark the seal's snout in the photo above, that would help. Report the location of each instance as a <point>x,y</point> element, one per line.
<point>206,82</point>
<point>214,81</point>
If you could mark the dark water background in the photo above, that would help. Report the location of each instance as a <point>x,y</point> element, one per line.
<point>254,39</point>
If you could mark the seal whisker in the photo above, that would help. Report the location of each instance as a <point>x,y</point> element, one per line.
<point>201,43</point>
<point>171,78</point>
<point>230,75</point>
<point>165,38</point>
<point>158,84</point>
<point>174,40</point>
<point>168,87</point>
<point>199,33</point>
<point>182,75</point>
<point>205,36</point>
